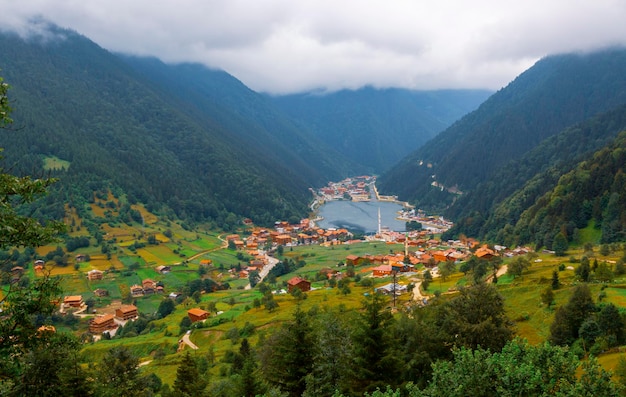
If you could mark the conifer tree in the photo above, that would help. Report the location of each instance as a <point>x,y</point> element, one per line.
<point>188,382</point>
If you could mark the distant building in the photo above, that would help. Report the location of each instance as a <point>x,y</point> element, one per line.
<point>298,282</point>
<point>94,274</point>
<point>197,315</point>
<point>102,323</point>
<point>127,312</point>
<point>382,271</point>
<point>136,290</point>
<point>163,269</point>
<point>149,286</point>
<point>73,301</point>
<point>100,292</point>
<point>389,289</point>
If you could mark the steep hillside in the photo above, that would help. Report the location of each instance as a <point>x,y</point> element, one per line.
<point>538,172</point>
<point>377,127</point>
<point>213,96</point>
<point>595,190</point>
<point>116,128</point>
<point>555,93</point>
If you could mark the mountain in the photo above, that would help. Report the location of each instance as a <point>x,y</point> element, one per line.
<point>542,169</point>
<point>178,138</point>
<point>378,127</point>
<point>557,92</point>
<point>594,191</point>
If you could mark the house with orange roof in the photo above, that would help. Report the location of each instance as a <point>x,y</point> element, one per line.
<point>232,237</point>
<point>197,314</point>
<point>127,312</point>
<point>354,260</point>
<point>282,239</point>
<point>102,323</point>
<point>149,286</point>
<point>484,253</point>
<point>136,290</point>
<point>382,271</point>
<point>73,301</point>
<point>439,256</point>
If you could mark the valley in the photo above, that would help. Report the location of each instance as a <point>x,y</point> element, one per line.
<point>157,236</point>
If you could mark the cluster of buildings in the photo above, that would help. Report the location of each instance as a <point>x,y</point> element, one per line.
<point>429,253</point>
<point>432,224</point>
<point>147,287</point>
<point>105,322</point>
<point>355,188</point>
<point>109,322</point>
<point>285,234</point>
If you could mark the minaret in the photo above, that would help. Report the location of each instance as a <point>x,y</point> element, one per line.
<point>379,227</point>
<point>406,245</point>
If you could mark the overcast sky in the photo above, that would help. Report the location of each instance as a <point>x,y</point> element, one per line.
<point>285,46</point>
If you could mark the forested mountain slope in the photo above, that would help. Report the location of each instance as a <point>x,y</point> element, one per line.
<point>555,93</point>
<point>116,127</point>
<point>538,172</point>
<point>213,96</point>
<point>595,190</point>
<point>378,127</point>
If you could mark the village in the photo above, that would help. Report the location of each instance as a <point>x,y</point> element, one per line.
<point>420,252</point>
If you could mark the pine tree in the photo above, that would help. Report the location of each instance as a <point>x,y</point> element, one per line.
<point>555,280</point>
<point>287,356</point>
<point>188,381</point>
<point>375,362</point>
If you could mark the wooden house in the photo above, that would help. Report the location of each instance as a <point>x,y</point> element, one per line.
<point>197,314</point>
<point>136,290</point>
<point>282,239</point>
<point>382,271</point>
<point>298,282</point>
<point>94,274</point>
<point>102,323</point>
<point>163,269</point>
<point>73,301</point>
<point>485,253</point>
<point>149,286</point>
<point>127,312</point>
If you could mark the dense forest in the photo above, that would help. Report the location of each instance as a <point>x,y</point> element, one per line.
<point>557,92</point>
<point>112,128</point>
<point>516,187</point>
<point>377,127</point>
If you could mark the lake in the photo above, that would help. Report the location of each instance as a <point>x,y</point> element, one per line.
<point>360,216</point>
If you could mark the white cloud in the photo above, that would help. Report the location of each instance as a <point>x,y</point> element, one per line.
<point>287,46</point>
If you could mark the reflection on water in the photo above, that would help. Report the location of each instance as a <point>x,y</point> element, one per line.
<point>360,216</point>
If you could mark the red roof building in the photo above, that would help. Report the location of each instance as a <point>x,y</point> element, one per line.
<point>298,282</point>
<point>126,312</point>
<point>102,323</point>
<point>197,315</point>
<point>382,270</point>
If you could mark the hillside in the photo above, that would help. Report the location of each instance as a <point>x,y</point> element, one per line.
<point>492,213</point>
<point>114,127</point>
<point>593,191</point>
<point>557,92</point>
<point>377,127</point>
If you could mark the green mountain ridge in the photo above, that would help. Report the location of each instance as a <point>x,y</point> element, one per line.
<point>557,92</point>
<point>595,189</point>
<point>377,127</point>
<point>117,129</point>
